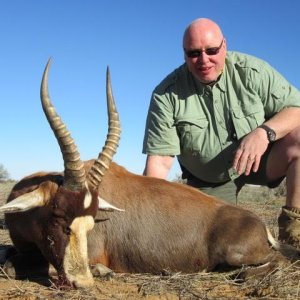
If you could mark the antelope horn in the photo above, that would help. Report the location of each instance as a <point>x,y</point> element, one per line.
<point>74,169</point>
<point>104,159</point>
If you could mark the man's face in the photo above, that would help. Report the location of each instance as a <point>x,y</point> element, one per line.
<point>205,55</point>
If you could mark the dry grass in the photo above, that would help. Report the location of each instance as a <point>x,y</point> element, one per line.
<point>283,284</point>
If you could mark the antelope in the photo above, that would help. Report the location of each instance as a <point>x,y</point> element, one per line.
<point>96,214</point>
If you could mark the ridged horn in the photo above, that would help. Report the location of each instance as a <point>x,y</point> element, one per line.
<point>74,173</point>
<point>105,157</point>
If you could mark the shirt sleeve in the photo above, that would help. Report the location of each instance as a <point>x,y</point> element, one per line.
<point>276,92</point>
<point>160,133</point>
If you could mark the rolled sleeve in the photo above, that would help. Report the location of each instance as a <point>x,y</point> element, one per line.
<point>276,92</point>
<point>160,133</point>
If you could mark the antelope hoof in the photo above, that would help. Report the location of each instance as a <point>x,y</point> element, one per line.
<point>102,271</point>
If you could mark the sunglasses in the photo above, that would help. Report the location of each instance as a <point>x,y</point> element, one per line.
<point>208,51</point>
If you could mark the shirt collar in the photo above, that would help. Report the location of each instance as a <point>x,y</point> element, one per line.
<point>221,82</point>
<point>201,87</point>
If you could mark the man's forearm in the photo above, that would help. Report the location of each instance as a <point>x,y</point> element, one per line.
<point>158,166</point>
<point>285,121</point>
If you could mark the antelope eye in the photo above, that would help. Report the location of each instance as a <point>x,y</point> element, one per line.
<point>67,230</point>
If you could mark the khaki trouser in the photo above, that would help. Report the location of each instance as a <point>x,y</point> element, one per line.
<point>229,190</point>
<point>226,191</point>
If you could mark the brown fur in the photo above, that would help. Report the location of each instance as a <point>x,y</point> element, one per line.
<point>172,226</point>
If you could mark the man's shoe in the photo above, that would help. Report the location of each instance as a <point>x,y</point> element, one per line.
<point>289,226</point>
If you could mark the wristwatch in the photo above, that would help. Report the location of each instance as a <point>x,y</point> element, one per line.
<point>271,134</point>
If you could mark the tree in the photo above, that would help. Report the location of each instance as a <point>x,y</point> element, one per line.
<point>178,179</point>
<point>3,173</point>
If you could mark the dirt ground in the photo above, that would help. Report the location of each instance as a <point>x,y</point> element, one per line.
<point>283,284</point>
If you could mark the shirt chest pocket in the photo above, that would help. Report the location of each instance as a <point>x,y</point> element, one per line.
<point>192,133</point>
<point>246,119</point>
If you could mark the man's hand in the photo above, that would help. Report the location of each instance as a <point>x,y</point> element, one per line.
<point>248,155</point>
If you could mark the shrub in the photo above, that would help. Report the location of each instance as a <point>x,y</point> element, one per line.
<point>3,173</point>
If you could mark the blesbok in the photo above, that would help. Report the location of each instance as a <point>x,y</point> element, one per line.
<point>150,225</point>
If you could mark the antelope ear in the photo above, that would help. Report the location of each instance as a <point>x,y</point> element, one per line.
<point>37,198</point>
<point>24,202</point>
<point>104,205</point>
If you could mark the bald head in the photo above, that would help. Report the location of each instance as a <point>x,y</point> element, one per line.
<point>204,29</point>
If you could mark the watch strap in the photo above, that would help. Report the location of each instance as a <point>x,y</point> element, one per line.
<point>271,135</point>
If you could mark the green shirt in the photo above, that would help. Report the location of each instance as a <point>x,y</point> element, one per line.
<point>202,124</point>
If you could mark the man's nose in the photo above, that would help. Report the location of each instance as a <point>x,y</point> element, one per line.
<point>203,57</point>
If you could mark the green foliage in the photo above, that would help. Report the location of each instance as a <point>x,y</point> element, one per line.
<point>178,179</point>
<point>3,173</point>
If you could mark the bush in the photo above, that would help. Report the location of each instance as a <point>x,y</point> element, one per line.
<point>3,173</point>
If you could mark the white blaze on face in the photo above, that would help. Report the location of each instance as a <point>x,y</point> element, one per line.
<point>76,261</point>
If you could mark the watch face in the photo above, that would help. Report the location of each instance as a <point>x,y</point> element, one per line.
<point>271,135</point>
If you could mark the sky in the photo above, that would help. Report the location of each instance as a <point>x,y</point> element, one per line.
<point>140,41</point>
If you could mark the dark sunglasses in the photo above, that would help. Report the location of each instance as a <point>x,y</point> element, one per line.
<point>208,51</point>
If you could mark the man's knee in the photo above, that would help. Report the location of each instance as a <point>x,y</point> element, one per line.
<point>283,153</point>
<point>290,144</point>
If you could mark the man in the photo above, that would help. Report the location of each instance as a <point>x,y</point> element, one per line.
<point>231,119</point>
